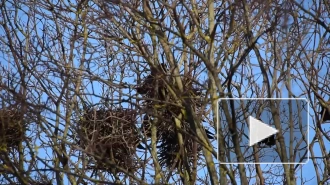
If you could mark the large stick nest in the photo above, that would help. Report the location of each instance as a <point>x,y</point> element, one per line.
<point>111,135</point>
<point>169,151</point>
<point>165,111</point>
<point>163,102</point>
<point>12,129</point>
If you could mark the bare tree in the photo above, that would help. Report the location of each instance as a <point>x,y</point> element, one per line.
<point>126,92</point>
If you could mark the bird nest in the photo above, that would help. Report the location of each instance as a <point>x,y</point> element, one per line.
<point>164,109</point>
<point>110,135</point>
<point>12,129</point>
<point>169,145</point>
<point>148,89</point>
<point>41,182</point>
<point>160,99</point>
<point>169,150</point>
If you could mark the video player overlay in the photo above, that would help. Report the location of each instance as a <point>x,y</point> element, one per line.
<point>288,116</point>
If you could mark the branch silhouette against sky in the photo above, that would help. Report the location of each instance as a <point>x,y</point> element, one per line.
<point>126,92</point>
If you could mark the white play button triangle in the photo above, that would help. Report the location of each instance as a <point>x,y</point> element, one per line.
<point>259,131</point>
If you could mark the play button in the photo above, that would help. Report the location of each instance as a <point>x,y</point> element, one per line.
<point>259,131</point>
<point>291,117</point>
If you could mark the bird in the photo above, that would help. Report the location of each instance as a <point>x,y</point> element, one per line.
<point>325,114</point>
<point>209,134</point>
<point>270,141</point>
<point>141,147</point>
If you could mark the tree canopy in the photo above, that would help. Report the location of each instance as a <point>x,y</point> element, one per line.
<point>127,92</point>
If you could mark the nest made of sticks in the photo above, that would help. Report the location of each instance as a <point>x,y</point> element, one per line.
<point>164,103</point>
<point>165,114</point>
<point>111,135</point>
<point>156,77</point>
<point>148,89</point>
<point>168,137</point>
<point>169,149</point>
<point>169,144</point>
<point>12,128</point>
<point>42,182</point>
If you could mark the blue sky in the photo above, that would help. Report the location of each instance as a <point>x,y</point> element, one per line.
<point>307,170</point>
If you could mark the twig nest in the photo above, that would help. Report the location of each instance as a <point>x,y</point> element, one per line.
<point>169,150</point>
<point>165,112</point>
<point>162,114</point>
<point>111,135</point>
<point>153,80</point>
<point>12,129</point>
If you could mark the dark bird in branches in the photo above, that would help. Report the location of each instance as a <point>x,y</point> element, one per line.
<point>270,141</point>
<point>209,134</point>
<point>325,114</point>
